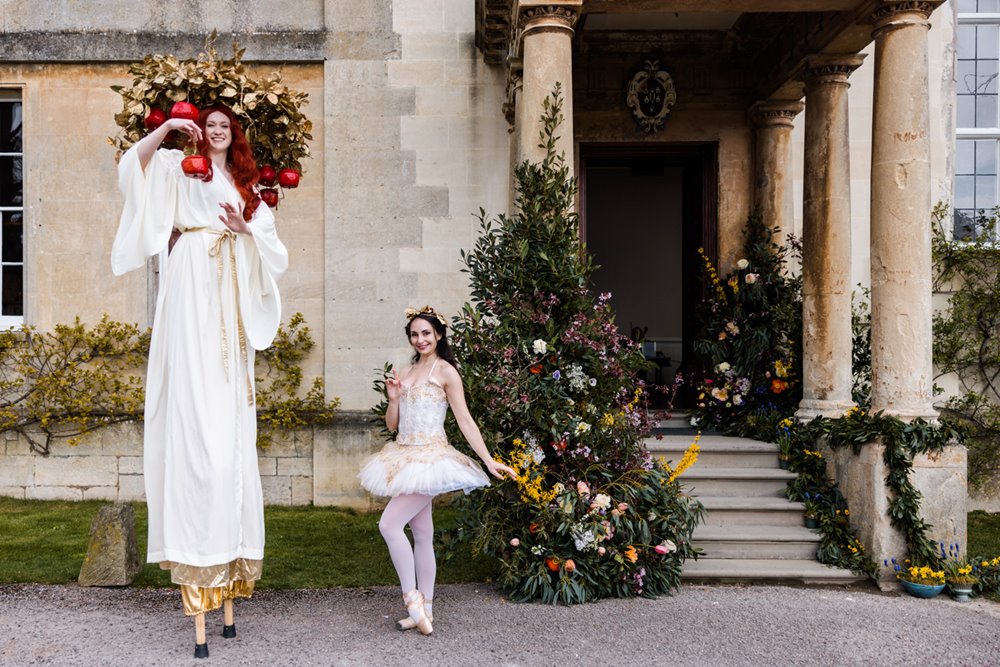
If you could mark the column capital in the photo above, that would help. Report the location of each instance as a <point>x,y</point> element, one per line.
<point>891,14</point>
<point>774,113</point>
<point>534,15</point>
<point>830,68</point>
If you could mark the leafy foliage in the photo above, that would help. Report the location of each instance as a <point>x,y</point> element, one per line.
<point>750,340</point>
<point>967,339</point>
<point>76,379</point>
<point>555,389</point>
<point>269,111</point>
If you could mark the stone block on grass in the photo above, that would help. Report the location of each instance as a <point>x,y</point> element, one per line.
<point>113,555</point>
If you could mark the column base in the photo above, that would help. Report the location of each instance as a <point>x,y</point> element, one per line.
<point>926,412</point>
<point>809,409</point>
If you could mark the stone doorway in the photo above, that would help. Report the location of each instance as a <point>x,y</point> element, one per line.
<point>645,211</point>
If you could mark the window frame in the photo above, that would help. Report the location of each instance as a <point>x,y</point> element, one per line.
<point>14,93</point>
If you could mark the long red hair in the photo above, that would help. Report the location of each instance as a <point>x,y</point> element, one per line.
<point>239,157</point>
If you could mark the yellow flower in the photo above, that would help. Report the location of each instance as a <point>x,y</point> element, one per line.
<point>688,460</point>
<point>631,554</point>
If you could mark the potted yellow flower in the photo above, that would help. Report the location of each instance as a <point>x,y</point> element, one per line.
<point>960,574</point>
<point>920,581</point>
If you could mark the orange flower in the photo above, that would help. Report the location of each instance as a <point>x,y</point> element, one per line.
<point>552,563</point>
<point>570,565</point>
<point>533,528</point>
<point>778,386</point>
<point>631,554</point>
<point>536,369</point>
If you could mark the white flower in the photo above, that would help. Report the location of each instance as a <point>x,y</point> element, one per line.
<point>537,550</point>
<point>583,539</point>
<point>540,346</point>
<point>582,427</point>
<point>602,501</point>
<point>536,453</point>
<point>742,264</point>
<point>593,382</point>
<point>737,399</point>
<point>694,421</point>
<point>723,367</point>
<point>558,488</point>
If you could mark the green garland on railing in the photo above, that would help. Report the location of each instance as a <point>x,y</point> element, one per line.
<point>839,544</point>
<point>902,441</point>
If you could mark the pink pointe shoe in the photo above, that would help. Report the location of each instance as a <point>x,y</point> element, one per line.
<point>414,601</point>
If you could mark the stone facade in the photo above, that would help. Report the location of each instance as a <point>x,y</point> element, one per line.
<point>419,109</point>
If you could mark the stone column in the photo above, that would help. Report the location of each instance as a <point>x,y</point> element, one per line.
<point>902,370</point>
<point>826,240</point>
<point>773,123</point>
<point>544,43</point>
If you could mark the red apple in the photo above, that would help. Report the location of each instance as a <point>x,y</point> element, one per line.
<point>267,175</point>
<point>196,166</point>
<point>270,197</point>
<point>184,110</point>
<point>288,178</point>
<point>155,119</point>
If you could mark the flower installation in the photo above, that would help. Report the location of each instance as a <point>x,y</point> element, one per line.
<point>556,389</point>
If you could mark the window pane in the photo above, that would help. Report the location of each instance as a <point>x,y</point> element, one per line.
<point>986,76</point>
<point>966,42</point>
<point>987,6</point>
<point>986,41</point>
<point>966,111</point>
<point>986,192</point>
<point>12,241</point>
<point>966,6</point>
<point>965,191</point>
<point>986,157</point>
<point>10,127</point>
<point>965,77</point>
<point>13,291</point>
<point>964,222</point>
<point>10,181</point>
<point>986,110</point>
<point>965,157</point>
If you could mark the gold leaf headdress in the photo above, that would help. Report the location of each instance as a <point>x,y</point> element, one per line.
<point>426,310</point>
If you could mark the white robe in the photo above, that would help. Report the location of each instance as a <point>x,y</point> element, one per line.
<point>200,459</point>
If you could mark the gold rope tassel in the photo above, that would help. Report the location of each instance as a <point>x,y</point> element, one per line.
<point>229,237</point>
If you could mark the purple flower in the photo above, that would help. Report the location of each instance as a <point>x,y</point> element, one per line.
<point>556,375</point>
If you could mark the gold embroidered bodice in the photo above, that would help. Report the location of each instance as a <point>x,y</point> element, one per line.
<point>422,409</point>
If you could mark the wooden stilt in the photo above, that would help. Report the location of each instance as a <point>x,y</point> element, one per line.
<point>199,628</point>
<point>227,609</point>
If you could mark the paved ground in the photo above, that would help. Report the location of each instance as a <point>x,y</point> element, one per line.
<point>701,625</point>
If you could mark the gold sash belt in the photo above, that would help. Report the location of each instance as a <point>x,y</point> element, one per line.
<point>228,237</point>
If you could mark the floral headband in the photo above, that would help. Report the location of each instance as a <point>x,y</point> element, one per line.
<point>426,310</point>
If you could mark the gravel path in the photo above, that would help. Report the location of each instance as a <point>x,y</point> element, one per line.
<point>701,625</point>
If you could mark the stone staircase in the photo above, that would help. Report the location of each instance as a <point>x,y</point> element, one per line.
<point>751,531</point>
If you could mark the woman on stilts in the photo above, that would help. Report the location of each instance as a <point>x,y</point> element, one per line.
<point>420,463</point>
<point>217,303</point>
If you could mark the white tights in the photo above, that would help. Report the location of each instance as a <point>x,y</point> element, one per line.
<point>414,564</point>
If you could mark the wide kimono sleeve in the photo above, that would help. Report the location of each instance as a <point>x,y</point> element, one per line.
<point>151,200</point>
<point>262,259</point>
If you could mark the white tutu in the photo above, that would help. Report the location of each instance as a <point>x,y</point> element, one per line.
<point>421,460</point>
<point>429,470</point>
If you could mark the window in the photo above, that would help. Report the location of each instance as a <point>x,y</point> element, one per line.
<point>11,210</point>
<point>977,150</point>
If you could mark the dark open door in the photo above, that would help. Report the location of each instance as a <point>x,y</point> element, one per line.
<point>646,209</point>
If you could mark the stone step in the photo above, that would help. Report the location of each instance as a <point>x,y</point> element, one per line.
<point>766,571</point>
<point>736,482</point>
<point>755,541</point>
<point>732,511</point>
<point>716,451</point>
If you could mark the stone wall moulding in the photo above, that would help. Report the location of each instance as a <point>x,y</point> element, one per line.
<point>650,95</point>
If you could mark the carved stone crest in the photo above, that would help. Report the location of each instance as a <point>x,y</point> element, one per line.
<point>651,93</point>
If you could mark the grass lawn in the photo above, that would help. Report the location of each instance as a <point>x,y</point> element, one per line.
<point>306,547</point>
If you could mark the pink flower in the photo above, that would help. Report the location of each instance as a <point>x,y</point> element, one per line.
<point>665,547</point>
<point>751,278</point>
<point>582,488</point>
<point>601,551</point>
<point>515,542</point>
<point>622,507</point>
